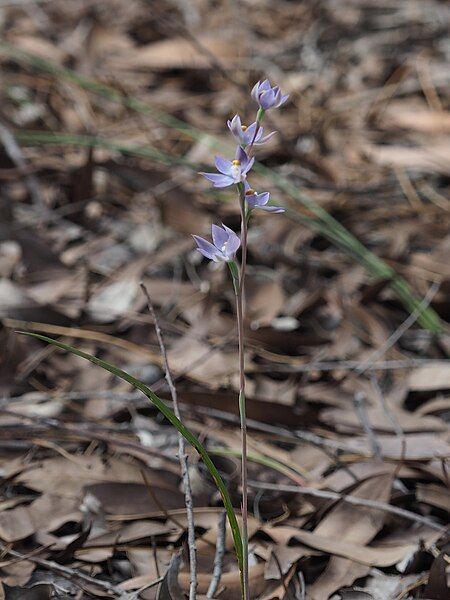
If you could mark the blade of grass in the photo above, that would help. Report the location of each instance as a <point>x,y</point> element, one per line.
<point>324,223</point>
<point>73,139</point>
<point>332,229</point>
<point>298,475</point>
<point>170,416</point>
<point>37,138</point>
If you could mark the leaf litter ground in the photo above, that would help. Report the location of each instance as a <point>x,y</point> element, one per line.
<point>348,395</point>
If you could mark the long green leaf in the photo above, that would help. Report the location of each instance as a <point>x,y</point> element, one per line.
<point>170,416</point>
<point>324,222</point>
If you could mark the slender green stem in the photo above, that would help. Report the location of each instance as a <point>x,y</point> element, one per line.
<point>259,118</point>
<point>239,292</point>
<point>171,417</point>
<point>242,409</point>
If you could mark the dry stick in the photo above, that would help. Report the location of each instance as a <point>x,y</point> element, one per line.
<point>320,366</point>
<point>301,589</point>
<point>327,495</point>
<point>376,355</point>
<point>308,437</point>
<point>220,552</point>
<point>395,424</point>
<point>72,575</point>
<point>390,416</point>
<point>400,331</point>
<point>15,154</point>
<point>350,365</point>
<point>181,451</point>
<point>147,586</point>
<point>162,508</point>
<point>359,400</point>
<point>287,591</point>
<point>90,433</point>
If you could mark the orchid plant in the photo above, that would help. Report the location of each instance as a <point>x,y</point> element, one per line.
<point>226,243</point>
<point>223,248</point>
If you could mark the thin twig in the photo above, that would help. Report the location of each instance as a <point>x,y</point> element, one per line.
<point>349,365</point>
<point>14,152</point>
<point>76,577</point>
<point>400,331</point>
<point>287,591</point>
<point>359,400</point>
<point>181,452</point>
<point>220,552</point>
<point>327,495</point>
<point>300,590</point>
<point>390,416</point>
<point>319,366</point>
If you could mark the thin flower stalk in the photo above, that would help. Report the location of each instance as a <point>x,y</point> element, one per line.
<point>225,244</point>
<point>242,402</point>
<point>182,456</point>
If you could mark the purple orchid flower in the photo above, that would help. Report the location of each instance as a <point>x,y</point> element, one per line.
<point>230,171</point>
<point>267,96</point>
<point>246,135</point>
<point>224,247</point>
<point>255,200</point>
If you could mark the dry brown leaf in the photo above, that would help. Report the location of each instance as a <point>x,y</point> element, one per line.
<point>416,446</point>
<point>177,53</point>
<point>265,300</point>
<point>128,499</point>
<point>345,421</point>
<point>431,158</point>
<point>430,377</point>
<point>230,582</point>
<point>41,47</point>
<point>349,526</point>
<point>48,512</point>
<point>416,117</point>
<point>433,494</point>
<point>70,476</point>
<point>198,361</point>
<point>13,572</point>
<point>365,555</point>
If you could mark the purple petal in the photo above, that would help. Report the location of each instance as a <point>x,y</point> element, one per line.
<point>262,199</point>
<point>241,155</point>
<point>233,240</point>
<point>280,99</point>
<point>264,86</point>
<point>248,166</point>
<point>246,162</point>
<point>235,126</point>
<point>250,131</point>
<point>218,180</point>
<point>273,209</point>
<point>266,138</point>
<point>252,200</point>
<point>255,90</point>
<point>205,247</point>
<point>219,236</point>
<point>258,135</point>
<point>223,165</point>
<point>267,99</point>
<point>283,99</point>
